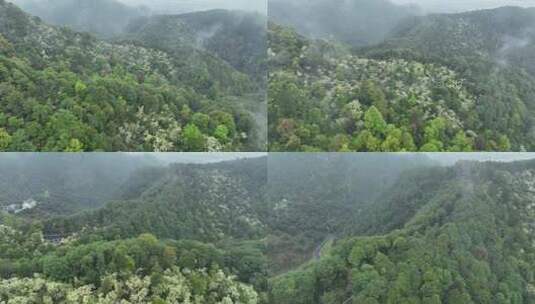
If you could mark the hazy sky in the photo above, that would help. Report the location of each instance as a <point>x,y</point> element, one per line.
<point>463,5</point>
<point>181,6</point>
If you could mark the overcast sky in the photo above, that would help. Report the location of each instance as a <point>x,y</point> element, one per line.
<point>182,6</point>
<point>433,6</point>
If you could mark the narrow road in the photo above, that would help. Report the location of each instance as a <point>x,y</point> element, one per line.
<point>317,256</point>
<point>317,251</point>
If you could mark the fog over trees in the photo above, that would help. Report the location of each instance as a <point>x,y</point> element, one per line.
<point>369,76</point>
<point>452,6</point>
<point>161,231</point>
<point>182,6</point>
<point>197,80</point>
<point>449,159</point>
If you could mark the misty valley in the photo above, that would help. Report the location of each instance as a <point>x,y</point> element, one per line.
<point>105,76</point>
<point>379,76</point>
<point>284,228</point>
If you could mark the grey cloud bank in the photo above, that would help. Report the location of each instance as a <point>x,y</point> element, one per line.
<point>452,6</point>
<point>448,159</point>
<point>202,157</point>
<point>184,6</point>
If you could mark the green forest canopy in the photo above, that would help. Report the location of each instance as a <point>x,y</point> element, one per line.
<point>445,82</point>
<point>69,91</point>
<point>316,229</point>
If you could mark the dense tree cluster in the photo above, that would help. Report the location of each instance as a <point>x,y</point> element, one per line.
<point>323,98</point>
<point>209,203</point>
<point>141,270</point>
<point>109,254</point>
<point>494,60</point>
<point>66,91</point>
<point>240,38</point>
<point>312,197</point>
<point>470,242</point>
<point>323,228</point>
<point>172,286</point>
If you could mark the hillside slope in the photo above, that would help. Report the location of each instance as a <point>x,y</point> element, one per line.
<point>492,51</point>
<point>201,202</point>
<point>313,197</point>
<point>459,82</point>
<point>183,233</point>
<point>64,90</point>
<point>464,235</point>
<point>239,38</point>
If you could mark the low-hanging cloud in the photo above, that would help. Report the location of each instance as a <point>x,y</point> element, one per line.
<point>455,6</point>
<point>184,6</point>
<point>449,159</point>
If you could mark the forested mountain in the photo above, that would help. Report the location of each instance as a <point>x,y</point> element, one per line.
<point>348,185</point>
<point>239,38</point>
<point>148,247</point>
<point>201,202</point>
<point>491,51</point>
<point>216,220</point>
<point>312,197</point>
<point>69,91</point>
<point>316,228</point>
<point>443,82</point>
<point>446,235</point>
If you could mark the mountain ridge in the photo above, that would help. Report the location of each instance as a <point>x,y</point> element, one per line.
<point>468,242</point>
<point>116,96</point>
<point>468,76</point>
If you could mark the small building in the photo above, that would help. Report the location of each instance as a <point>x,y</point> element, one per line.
<point>56,239</point>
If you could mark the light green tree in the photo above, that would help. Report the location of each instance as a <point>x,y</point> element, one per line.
<point>193,138</point>
<point>5,139</point>
<point>374,121</point>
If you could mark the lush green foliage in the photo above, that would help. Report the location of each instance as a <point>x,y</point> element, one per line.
<point>108,255</point>
<point>172,286</point>
<point>317,228</point>
<point>209,203</point>
<point>314,196</point>
<point>494,59</point>
<point>360,104</point>
<point>140,270</point>
<point>465,236</point>
<point>66,91</point>
<point>461,82</point>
